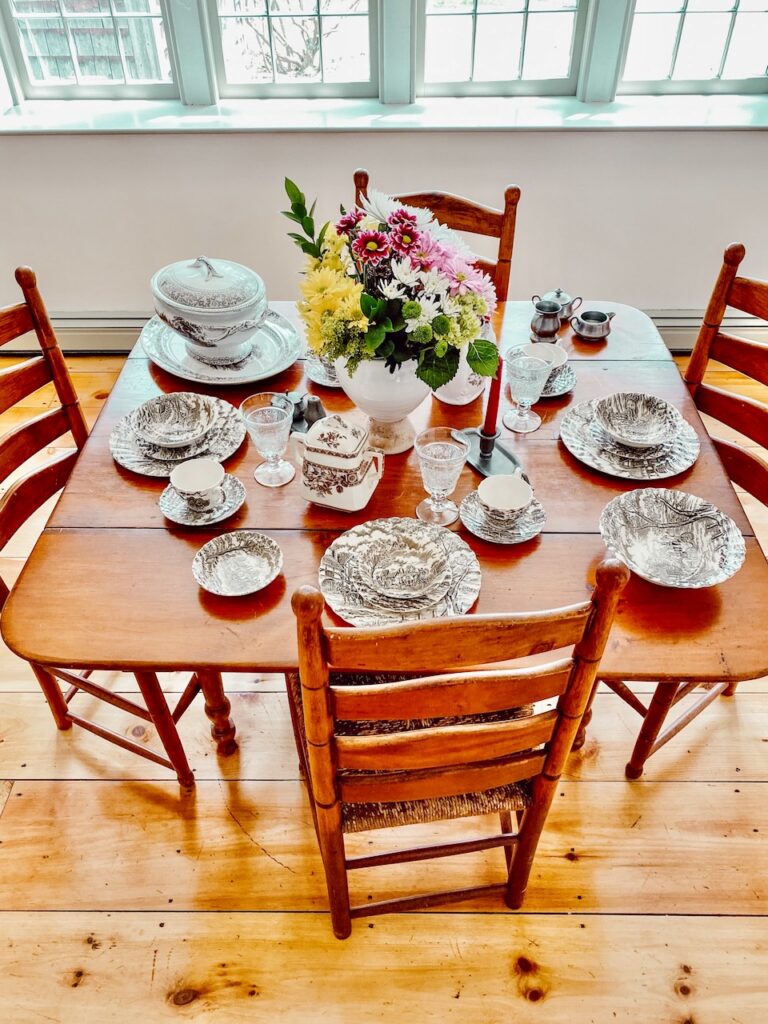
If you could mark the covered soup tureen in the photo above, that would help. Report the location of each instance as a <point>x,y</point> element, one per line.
<point>217,305</point>
<point>338,469</point>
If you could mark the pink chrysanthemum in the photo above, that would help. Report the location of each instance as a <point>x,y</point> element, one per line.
<point>403,239</point>
<point>463,276</point>
<point>349,221</point>
<point>401,218</point>
<point>427,254</point>
<point>371,247</point>
<point>485,288</point>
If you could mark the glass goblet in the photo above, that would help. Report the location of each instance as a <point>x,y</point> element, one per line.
<point>268,419</point>
<point>441,459</point>
<point>526,376</point>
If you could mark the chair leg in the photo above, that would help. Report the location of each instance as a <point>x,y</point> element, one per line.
<point>505,817</point>
<point>162,720</point>
<point>581,733</point>
<point>217,708</point>
<point>298,736</point>
<point>530,833</point>
<point>331,841</point>
<point>54,697</point>
<point>662,700</point>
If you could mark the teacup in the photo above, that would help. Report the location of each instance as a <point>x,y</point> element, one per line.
<point>199,481</point>
<point>550,353</point>
<point>592,324</point>
<point>505,496</point>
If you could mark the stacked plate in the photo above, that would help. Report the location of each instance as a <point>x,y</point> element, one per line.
<point>173,428</point>
<point>398,570</point>
<point>633,436</point>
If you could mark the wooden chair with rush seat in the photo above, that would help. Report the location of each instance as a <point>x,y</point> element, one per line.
<point>33,487</point>
<point>466,215</point>
<point>455,742</point>
<point>745,468</point>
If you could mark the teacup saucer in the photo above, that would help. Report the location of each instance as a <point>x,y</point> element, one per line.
<point>176,508</point>
<point>560,382</point>
<point>519,528</point>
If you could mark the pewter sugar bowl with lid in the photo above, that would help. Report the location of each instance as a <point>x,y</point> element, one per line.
<point>338,467</point>
<point>217,305</point>
<point>568,304</point>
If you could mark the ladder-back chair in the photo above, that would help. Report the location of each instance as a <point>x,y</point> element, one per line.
<point>466,215</point>
<point>30,490</point>
<point>745,468</point>
<point>460,743</point>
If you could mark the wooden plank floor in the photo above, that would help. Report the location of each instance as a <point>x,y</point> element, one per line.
<point>122,900</point>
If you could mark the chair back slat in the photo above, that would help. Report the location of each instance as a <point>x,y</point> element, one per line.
<point>750,296</point>
<point>14,322</point>
<point>29,438</point>
<point>745,468</point>
<point>439,696</point>
<point>19,381</point>
<point>443,746</point>
<point>385,787</point>
<point>746,415</point>
<point>457,643</point>
<point>31,491</point>
<point>466,215</point>
<point>748,357</point>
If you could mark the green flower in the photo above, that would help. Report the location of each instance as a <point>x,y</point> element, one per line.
<point>411,310</point>
<point>441,324</point>
<point>422,335</point>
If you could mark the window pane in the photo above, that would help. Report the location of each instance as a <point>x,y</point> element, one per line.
<point>45,47</point>
<point>444,6</point>
<point>145,49</point>
<point>651,47</point>
<point>711,5</point>
<point>552,5</point>
<point>85,6</point>
<point>498,41</point>
<point>247,54</point>
<point>548,46</point>
<point>346,46</point>
<point>243,7</point>
<point>701,46</point>
<point>292,7</point>
<point>448,52</point>
<point>296,49</point>
<point>36,7</point>
<point>96,51</point>
<point>138,6</point>
<point>343,6</point>
<point>503,6</point>
<point>658,5</point>
<point>748,52</point>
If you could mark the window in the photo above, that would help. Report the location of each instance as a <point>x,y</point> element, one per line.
<point>697,46</point>
<point>299,47</point>
<point>500,46</point>
<point>204,50</point>
<point>90,47</point>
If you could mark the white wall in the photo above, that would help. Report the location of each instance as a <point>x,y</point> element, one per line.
<point>638,216</point>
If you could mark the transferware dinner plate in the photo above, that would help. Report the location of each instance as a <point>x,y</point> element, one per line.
<point>345,588</point>
<point>175,420</point>
<point>528,523</point>
<point>672,538</point>
<point>176,507</point>
<point>276,345</point>
<point>238,563</point>
<point>222,440</point>
<point>586,440</point>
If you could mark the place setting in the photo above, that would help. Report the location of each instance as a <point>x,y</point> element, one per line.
<point>630,435</point>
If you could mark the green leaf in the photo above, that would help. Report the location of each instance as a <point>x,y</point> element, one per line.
<point>367,304</point>
<point>321,236</point>
<point>386,348</point>
<point>294,192</point>
<point>309,226</point>
<point>312,209</point>
<point>299,209</point>
<point>386,323</point>
<point>437,370</point>
<point>310,249</point>
<point>291,216</point>
<point>483,357</point>
<point>381,308</point>
<point>374,338</point>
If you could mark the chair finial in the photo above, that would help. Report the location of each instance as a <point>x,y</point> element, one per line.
<point>734,254</point>
<point>307,602</point>
<point>26,277</point>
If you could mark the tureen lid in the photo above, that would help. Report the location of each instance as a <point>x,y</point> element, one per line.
<point>208,284</point>
<point>558,295</point>
<point>336,436</point>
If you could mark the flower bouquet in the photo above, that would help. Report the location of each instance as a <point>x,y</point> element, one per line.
<point>387,282</point>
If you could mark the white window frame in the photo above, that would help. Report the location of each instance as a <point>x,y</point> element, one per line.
<point>685,86</point>
<point>397,35</point>
<point>305,90</point>
<point>512,87</point>
<point>16,66</point>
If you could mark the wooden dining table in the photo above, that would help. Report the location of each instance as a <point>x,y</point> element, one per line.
<point>109,583</point>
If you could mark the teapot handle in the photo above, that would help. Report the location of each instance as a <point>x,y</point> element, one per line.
<point>574,325</point>
<point>575,303</point>
<point>377,456</point>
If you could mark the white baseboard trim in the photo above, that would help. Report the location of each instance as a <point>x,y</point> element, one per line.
<point>117,334</point>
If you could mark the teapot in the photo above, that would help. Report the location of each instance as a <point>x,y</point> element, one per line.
<point>338,468</point>
<point>568,303</point>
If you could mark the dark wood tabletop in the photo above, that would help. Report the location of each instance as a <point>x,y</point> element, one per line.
<point>109,583</point>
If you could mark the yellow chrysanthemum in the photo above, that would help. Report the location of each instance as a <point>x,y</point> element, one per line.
<point>328,294</point>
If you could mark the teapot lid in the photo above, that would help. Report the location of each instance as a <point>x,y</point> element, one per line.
<point>208,284</point>
<point>558,295</point>
<point>333,435</point>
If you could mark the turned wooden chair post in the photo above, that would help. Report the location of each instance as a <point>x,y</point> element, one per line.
<point>465,215</point>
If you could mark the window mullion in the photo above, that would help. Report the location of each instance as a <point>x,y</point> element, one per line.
<point>397,50</point>
<point>8,65</point>
<point>605,43</point>
<point>678,37</point>
<point>190,40</point>
<point>728,41</point>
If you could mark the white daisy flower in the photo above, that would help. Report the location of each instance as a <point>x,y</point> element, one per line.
<point>392,290</point>
<point>453,240</point>
<point>403,272</point>
<point>379,206</point>
<point>433,282</point>
<point>429,310</point>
